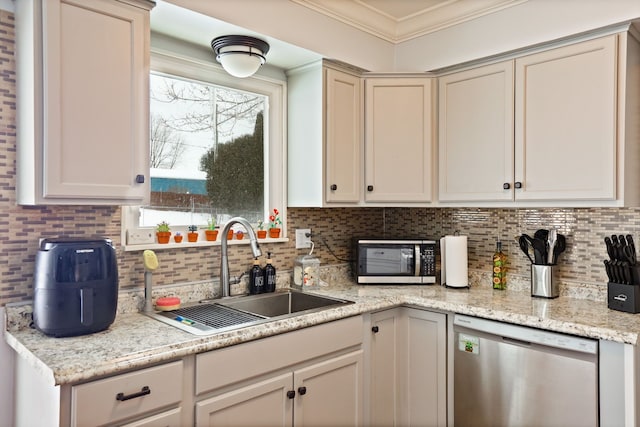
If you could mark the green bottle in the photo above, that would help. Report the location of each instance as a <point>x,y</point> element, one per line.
<point>499,268</point>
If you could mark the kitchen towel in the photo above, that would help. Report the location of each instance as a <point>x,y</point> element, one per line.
<point>454,261</point>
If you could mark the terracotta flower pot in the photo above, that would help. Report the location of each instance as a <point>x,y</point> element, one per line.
<point>177,238</point>
<point>211,235</point>
<point>262,234</point>
<point>230,235</point>
<point>192,236</point>
<point>274,233</point>
<point>239,235</point>
<point>163,236</point>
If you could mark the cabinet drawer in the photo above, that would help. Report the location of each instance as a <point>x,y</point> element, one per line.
<point>165,419</point>
<point>127,395</point>
<point>232,364</point>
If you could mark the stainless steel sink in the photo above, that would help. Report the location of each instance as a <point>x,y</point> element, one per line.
<point>225,314</point>
<point>281,303</point>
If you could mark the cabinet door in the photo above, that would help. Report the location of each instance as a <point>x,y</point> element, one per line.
<point>383,374</point>
<point>398,139</point>
<point>264,403</point>
<point>329,393</point>
<point>423,397</point>
<point>476,134</point>
<point>343,145</point>
<point>565,131</point>
<point>96,72</point>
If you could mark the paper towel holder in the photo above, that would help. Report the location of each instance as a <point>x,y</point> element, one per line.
<point>454,261</point>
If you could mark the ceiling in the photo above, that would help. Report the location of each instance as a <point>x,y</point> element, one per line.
<point>395,21</point>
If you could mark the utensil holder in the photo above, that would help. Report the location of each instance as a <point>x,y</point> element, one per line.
<point>544,283</point>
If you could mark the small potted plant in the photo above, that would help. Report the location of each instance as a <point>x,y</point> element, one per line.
<point>239,234</point>
<point>192,235</point>
<point>178,237</point>
<point>274,222</point>
<point>163,232</point>
<point>262,233</point>
<point>211,232</point>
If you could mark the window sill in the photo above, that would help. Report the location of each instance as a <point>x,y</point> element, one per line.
<point>198,244</point>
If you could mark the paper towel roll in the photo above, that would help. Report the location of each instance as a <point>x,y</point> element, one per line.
<point>456,259</point>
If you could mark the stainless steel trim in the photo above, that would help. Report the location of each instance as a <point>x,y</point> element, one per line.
<point>416,260</point>
<point>397,241</point>
<point>390,279</point>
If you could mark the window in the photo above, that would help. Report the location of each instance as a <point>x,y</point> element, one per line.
<point>217,146</point>
<point>207,153</point>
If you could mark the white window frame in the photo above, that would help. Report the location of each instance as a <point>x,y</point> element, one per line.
<point>275,137</point>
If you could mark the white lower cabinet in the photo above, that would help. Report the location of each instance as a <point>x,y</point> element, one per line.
<point>328,393</point>
<point>407,368</point>
<point>264,402</point>
<point>310,377</point>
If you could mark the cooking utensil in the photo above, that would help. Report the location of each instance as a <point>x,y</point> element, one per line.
<point>541,234</point>
<point>607,267</point>
<point>629,255</point>
<point>551,243</point>
<point>631,248</point>
<point>539,251</point>
<point>610,249</point>
<point>524,246</point>
<point>560,246</point>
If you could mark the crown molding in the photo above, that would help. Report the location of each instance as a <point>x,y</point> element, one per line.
<point>360,15</point>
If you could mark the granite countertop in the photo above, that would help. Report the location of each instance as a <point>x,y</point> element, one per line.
<point>135,340</point>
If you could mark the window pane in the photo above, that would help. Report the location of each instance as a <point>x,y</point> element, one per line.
<point>207,153</point>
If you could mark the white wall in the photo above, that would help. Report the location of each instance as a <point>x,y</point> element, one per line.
<point>300,26</point>
<point>6,378</point>
<point>529,23</point>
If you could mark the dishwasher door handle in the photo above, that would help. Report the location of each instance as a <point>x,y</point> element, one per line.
<point>516,341</point>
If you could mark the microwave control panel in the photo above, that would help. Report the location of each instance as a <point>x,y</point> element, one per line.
<point>428,260</point>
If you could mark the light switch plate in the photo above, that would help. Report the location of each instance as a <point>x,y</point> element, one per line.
<point>302,241</point>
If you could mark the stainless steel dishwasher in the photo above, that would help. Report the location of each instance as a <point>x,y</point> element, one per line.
<point>508,375</point>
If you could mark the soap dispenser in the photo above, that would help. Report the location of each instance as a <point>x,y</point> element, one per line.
<point>256,278</point>
<point>269,275</point>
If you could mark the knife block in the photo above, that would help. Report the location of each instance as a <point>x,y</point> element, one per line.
<point>623,297</point>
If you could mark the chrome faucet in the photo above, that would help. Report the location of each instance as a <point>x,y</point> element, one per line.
<point>225,282</point>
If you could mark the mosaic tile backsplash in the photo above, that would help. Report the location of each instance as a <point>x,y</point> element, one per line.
<point>22,227</point>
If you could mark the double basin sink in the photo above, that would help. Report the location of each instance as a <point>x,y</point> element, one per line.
<point>211,317</point>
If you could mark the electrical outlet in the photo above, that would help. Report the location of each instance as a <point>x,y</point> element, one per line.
<point>302,241</point>
<point>140,237</point>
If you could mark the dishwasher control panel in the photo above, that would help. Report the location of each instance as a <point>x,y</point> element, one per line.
<point>527,335</point>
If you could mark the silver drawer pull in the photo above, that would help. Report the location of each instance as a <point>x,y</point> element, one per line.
<point>122,397</point>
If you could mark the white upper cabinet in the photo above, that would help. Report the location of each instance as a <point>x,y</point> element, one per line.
<point>565,134</point>
<point>343,144</point>
<point>398,140</point>
<point>83,109</point>
<point>547,129</point>
<point>325,137</point>
<point>345,153</point>
<point>476,133</point>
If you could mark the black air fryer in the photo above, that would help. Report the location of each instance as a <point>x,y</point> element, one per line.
<point>76,286</point>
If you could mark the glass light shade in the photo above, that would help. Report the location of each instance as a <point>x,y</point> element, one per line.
<point>239,61</point>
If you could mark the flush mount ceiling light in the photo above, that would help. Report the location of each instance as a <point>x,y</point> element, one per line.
<point>240,56</point>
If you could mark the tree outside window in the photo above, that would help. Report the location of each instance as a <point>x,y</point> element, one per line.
<point>207,153</point>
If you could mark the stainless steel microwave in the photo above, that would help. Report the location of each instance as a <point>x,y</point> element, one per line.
<point>395,261</point>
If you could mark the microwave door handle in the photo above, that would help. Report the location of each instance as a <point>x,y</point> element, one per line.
<point>416,263</point>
